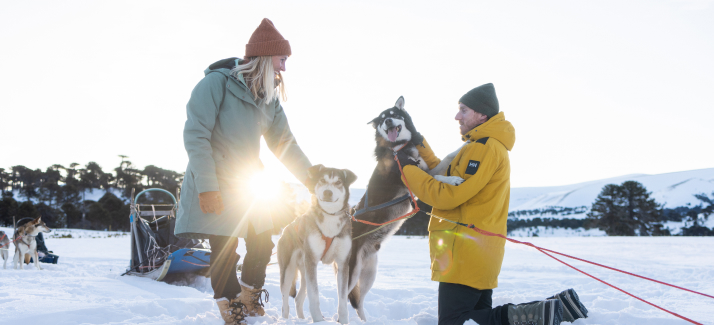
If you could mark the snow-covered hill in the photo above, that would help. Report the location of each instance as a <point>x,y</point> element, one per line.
<point>671,190</point>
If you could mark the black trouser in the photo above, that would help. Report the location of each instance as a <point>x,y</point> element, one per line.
<point>224,259</point>
<point>459,303</point>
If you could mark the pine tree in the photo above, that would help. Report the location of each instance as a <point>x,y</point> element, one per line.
<point>698,215</point>
<point>625,210</point>
<point>4,180</point>
<point>8,209</point>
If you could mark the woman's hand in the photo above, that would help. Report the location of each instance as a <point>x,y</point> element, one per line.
<point>211,202</point>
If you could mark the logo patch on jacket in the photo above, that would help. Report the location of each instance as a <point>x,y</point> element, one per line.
<point>473,167</point>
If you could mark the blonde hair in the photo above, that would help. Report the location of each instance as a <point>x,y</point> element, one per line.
<point>261,79</point>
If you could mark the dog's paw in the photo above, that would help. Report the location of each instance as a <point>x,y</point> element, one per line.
<point>452,180</point>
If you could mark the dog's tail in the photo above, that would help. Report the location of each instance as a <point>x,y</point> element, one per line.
<point>293,291</point>
<point>354,297</point>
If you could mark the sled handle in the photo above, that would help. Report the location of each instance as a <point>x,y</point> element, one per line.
<point>136,200</point>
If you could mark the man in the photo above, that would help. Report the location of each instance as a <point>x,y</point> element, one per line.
<point>465,263</point>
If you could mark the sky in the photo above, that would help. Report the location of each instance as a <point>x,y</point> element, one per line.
<point>594,89</point>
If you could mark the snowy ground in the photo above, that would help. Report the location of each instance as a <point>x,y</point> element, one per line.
<point>86,286</point>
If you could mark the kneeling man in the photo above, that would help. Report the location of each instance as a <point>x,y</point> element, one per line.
<point>465,263</point>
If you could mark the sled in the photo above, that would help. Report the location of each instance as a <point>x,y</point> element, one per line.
<point>156,253</point>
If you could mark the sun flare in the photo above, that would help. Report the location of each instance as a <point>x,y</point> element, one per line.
<point>265,186</point>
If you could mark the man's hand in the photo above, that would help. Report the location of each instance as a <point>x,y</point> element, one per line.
<point>406,160</point>
<point>417,138</point>
<point>211,202</point>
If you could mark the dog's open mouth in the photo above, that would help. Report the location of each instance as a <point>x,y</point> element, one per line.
<point>328,201</point>
<point>393,133</point>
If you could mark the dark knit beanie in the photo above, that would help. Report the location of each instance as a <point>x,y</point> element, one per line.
<point>482,99</point>
<point>267,41</point>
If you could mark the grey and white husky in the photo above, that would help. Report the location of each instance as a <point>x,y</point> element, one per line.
<point>4,248</point>
<point>393,132</point>
<point>26,245</point>
<point>322,234</point>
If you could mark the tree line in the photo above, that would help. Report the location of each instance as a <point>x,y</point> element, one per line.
<point>57,193</point>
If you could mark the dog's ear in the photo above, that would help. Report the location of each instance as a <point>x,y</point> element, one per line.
<point>314,170</point>
<point>400,103</point>
<point>37,220</point>
<point>350,177</point>
<point>374,122</point>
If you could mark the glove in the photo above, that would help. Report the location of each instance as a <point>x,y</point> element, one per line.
<point>211,202</point>
<point>406,160</point>
<point>417,138</point>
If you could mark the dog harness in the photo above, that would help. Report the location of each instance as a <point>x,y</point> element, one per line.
<point>368,208</point>
<point>328,240</point>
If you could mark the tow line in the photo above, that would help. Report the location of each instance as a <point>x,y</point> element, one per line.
<point>546,251</point>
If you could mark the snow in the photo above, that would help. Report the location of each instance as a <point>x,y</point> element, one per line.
<point>86,286</point>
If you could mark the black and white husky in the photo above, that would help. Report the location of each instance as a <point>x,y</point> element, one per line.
<point>392,133</point>
<point>322,234</point>
<point>26,245</point>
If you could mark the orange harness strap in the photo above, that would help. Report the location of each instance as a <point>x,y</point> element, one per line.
<point>328,241</point>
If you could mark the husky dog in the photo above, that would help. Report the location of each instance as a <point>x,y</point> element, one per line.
<point>393,133</point>
<point>323,233</point>
<point>26,246</point>
<point>4,247</point>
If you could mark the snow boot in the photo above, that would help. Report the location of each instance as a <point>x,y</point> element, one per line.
<point>546,312</point>
<point>232,312</point>
<point>572,307</point>
<point>252,300</point>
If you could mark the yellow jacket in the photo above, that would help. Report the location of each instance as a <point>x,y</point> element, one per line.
<point>458,254</point>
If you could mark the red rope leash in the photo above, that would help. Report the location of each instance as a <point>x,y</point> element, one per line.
<point>8,244</point>
<point>545,251</point>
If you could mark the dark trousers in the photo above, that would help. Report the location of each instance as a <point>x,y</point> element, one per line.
<point>224,259</point>
<point>459,303</point>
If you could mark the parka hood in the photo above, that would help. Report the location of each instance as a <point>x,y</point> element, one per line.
<point>496,128</point>
<point>226,64</point>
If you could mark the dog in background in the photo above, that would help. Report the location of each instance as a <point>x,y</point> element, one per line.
<point>25,244</point>
<point>4,248</point>
<point>322,234</point>
<point>393,132</point>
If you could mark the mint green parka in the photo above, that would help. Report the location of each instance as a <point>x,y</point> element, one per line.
<point>222,138</point>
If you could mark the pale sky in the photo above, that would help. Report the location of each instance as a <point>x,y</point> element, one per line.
<point>594,89</point>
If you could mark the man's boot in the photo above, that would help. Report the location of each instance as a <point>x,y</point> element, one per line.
<point>252,300</point>
<point>546,312</point>
<point>232,311</point>
<point>572,307</point>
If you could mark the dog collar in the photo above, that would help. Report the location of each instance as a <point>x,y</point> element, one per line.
<point>399,147</point>
<point>332,214</point>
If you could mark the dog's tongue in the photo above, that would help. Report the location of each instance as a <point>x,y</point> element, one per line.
<point>392,134</point>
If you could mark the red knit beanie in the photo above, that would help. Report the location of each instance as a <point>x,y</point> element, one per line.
<point>267,41</point>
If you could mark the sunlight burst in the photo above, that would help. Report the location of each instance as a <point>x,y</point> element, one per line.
<point>265,186</point>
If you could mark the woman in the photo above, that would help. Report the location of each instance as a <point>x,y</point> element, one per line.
<point>230,109</point>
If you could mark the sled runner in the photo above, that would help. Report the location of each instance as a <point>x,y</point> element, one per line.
<point>155,251</point>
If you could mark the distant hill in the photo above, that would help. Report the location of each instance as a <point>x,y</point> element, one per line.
<point>670,190</point>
